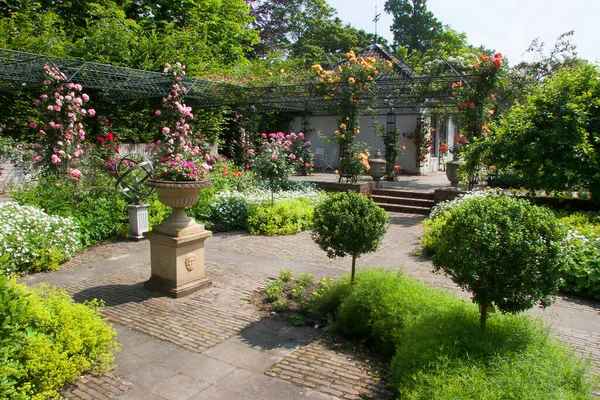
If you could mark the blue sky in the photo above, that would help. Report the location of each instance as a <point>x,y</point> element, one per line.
<point>508,26</point>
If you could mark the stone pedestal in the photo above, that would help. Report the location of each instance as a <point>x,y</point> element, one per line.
<point>177,263</point>
<point>138,221</point>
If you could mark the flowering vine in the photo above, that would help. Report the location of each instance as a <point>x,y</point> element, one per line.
<point>423,140</point>
<point>60,129</point>
<point>348,89</point>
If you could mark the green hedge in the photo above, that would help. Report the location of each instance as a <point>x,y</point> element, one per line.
<point>47,340</point>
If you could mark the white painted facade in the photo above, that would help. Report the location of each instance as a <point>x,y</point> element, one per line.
<point>324,126</point>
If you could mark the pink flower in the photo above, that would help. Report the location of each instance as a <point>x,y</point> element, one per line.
<point>44,96</point>
<point>292,156</point>
<point>75,174</point>
<point>37,102</point>
<point>274,157</point>
<point>301,135</point>
<point>78,101</point>
<point>55,159</point>
<point>157,112</point>
<point>85,97</point>
<point>91,112</point>
<point>57,108</point>
<point>264,135</point>
<point>166,130</point>
<point>37,158</point>
<point>42,132</point>
<point>77,153</point>
<point>250,152</point>
<point>32,125</point>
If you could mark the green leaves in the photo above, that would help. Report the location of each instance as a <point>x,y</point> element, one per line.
<point>503,250</point>
<point>349,224</point>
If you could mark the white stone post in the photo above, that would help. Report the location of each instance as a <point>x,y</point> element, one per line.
<point>138,221</point>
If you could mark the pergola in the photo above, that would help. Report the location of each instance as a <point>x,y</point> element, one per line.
<point>401,90</point>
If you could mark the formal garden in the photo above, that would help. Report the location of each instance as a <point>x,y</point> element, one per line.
<point>508,253</point>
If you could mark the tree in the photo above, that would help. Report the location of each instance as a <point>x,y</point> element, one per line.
<point>331,37</point>
<point>283,22</point>
<point>505,251</point>
<point>553,137</point>
<point>349,224</point>
<point>413,24</point>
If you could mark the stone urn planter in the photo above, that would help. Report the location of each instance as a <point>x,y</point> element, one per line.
<point>377,164</point>
<point>178,195</point>
<point>452,171</point>
<point>177,244</point>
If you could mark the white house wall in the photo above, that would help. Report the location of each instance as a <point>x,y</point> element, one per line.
<point>326,125</point>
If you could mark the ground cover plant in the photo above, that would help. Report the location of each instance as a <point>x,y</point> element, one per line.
<point>33,240</point>
<point>437,349</point>
<point>47,340</point>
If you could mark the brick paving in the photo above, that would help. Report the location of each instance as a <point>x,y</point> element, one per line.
<point>325,365</point>
<point>196,322</point>
<point>101,387</point>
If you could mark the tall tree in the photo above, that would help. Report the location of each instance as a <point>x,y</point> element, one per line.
<point>413,24</point>
<point>283,22</point>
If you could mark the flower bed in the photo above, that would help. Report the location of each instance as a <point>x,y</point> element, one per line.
<point>35,241</point>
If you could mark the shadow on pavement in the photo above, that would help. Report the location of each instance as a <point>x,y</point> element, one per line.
<point>114,295</point>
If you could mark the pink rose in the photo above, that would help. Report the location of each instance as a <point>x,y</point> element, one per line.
<point>55,159</point>
<point>157,112</point>
<point>32,125</point>
<point>85,97</point>
<point>75,174</point>
<point>293,156</point>
<point>166,130</point>
<point>91,112</point>
<point>274,157</point>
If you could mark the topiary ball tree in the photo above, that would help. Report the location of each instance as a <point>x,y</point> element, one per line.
<point>349,223</point>
<point>505,251</point>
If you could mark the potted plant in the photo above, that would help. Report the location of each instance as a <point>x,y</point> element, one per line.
<point>180,166</point>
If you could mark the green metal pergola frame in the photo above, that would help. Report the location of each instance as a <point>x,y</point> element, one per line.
<point>405,93</point>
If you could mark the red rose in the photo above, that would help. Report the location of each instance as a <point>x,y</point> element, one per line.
<point>101,139</point>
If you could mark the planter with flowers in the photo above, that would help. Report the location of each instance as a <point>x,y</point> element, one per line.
<point>180,172</point>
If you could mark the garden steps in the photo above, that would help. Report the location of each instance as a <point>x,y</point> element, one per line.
<point>404,201</point>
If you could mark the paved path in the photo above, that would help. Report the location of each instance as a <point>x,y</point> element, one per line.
<point>214,345</point>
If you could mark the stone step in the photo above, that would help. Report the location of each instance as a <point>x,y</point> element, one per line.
<point>405,201</point>
<point>405,209</point>
<point>413,194</point>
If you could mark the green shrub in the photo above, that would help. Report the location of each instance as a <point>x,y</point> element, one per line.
<point>48,340</point>
<point>581,274</point>
<point>98,208</point>
<point>439,352</point>
<point>33,240</point>
<point>230,213</point>
<point>283,218</point>
<point>503,250</point>
<point>349,224</point>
